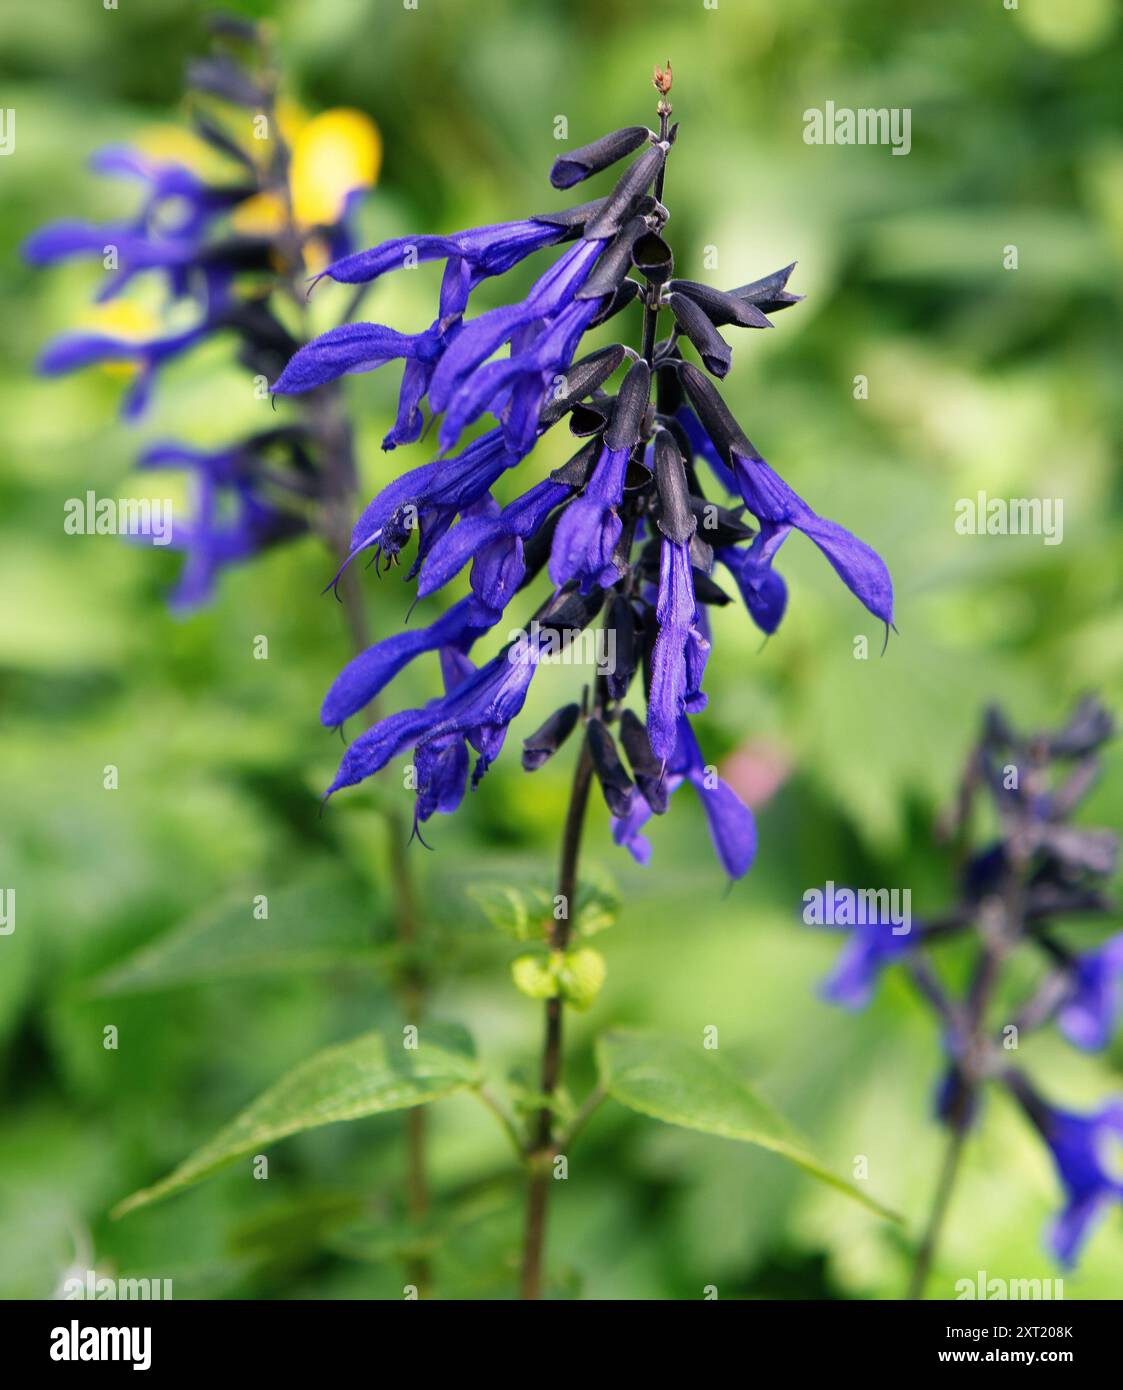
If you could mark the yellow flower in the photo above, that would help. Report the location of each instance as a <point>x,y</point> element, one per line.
<point>125,319</point>
<point>333,154</point>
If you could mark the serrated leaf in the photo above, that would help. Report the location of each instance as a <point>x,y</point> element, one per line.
<point>320,922</point>
<point>368,1076</point>
<point>686,1086</point>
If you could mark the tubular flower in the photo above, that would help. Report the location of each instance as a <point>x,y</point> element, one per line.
<point>225,232</point>
<point>246,499</point>
<point>624,532</point>
<point>1081,1147</point>
<point>1016,895</point>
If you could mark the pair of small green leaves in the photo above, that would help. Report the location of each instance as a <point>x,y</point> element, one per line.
<point>664,1078</point>
<point>523,913</point>
<point>577,976</point>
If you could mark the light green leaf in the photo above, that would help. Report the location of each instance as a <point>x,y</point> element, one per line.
<point>683,1085</point>
<point>509,909</point>
<point>598,906</point>
<point>526,913</point>
<point>581,974</point>
<point>534,976</point>
<point>320,922</point>
<point>367,1076</point>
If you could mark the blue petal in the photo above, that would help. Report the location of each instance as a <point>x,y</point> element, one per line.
<point>352,347</point>
<point>369,672</point>
<point>859,567</point>
<point>676,610</point>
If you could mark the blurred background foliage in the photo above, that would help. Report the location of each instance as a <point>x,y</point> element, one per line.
<point>980,378</point>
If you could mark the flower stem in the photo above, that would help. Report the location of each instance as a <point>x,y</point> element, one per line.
<point>1002,922</point>
<point>543,1143</point>
<point>541,1149</point>
<point>940,1203</point>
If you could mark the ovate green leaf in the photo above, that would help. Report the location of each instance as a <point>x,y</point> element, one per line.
<point>687,1086</point>
<point>368,1076</point>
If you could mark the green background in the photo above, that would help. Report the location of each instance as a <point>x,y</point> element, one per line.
<point>980,378</point>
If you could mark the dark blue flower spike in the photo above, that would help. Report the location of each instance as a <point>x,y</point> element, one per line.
<point>1038,888</point>
<point>191,235</point>
<point>624,529</point>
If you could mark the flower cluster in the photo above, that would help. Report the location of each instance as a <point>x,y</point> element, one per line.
<point>625,531</point>
<point>1015,890</point>
<point>262,195</point>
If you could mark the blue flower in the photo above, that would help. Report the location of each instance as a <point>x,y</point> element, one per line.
<point>614,529</point>
<point>872,945</point>
<point>553,321</point>
<point>680,652</point>
<point>780,510</point>
<point>429,498</point>
<point>471,256</point>
<point>232,519</point>
<point>369,672</point>
<point>588,530</point>
<point>478,709</point>
<point>731,824</point>
<point>492,537</point>
<point>231,247</point>
<point>764,592</point>
<point>1090,1011</point>
<point>1082,1147</point>
<point>73,351</point>
<point>167,233</point>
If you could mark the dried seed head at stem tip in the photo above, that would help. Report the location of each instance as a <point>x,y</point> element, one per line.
<point>662,79</point>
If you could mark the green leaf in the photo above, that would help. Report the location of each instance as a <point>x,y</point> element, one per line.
<point>535,976</point>
<point>581,974</point>
<point>683,1085</point>
<point>576,975</point>
<point>320,922</point>
<point>368,1076</point>
<point>509,909</point>
<point>598,906</point>
<point>526,913</point>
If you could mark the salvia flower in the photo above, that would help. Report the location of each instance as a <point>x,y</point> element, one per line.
<point>246,499</point>
<point>1085,1151</point>
<point>1090,1012</point>
<point>872,945</point>
<point>624,532</point>
<point>1021,892</point>
<point>226,250</point>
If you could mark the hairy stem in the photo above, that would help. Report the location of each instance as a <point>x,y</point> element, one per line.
<point>542,1143</point>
